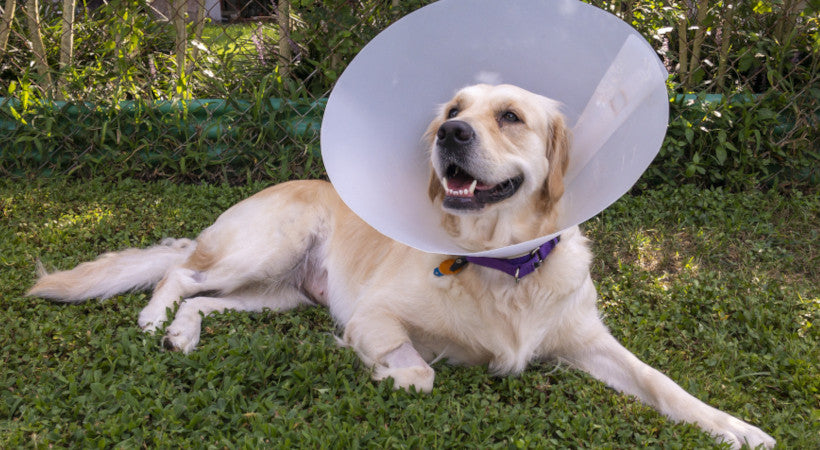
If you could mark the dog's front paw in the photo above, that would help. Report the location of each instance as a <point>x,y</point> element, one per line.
<point>739,433</point>
<point>403,377</point>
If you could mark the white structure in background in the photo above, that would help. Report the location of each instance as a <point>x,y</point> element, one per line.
<point>213,9</point>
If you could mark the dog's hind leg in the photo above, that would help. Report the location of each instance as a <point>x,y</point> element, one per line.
<point>237,272</point>
<point>225,277</point>
<point>267,239</point>
<point>276,264</point>
<point>178,284</point>
<point>183,333</point>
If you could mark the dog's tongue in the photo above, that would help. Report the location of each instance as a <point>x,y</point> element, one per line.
<point>462,182</point>
<point>459,183</point>
<point>463,187</point>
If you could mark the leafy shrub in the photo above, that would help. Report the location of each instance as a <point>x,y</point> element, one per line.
<point>210,140</point>
<point>761,56</point>
<point>331,32</point>
<point>739,142</point>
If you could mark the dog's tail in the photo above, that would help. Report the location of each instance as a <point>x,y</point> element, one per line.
<point>113,273</point>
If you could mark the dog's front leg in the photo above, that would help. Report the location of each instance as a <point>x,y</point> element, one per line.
<point>384,345</point>
<point>407,368</point>
<point>607,360</point>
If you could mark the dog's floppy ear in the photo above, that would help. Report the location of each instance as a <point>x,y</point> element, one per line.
<point>558,156</point>
<point>435,189</point>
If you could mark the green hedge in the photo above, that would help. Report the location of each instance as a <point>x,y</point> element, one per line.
<point>205,139</point>
<point>739,142</point>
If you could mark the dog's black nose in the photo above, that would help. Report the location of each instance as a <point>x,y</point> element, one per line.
<point>455,133</point>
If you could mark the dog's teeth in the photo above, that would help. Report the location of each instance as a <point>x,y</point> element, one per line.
<point>466,192</point>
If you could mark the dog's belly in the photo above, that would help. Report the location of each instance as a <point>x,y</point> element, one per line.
<point>315,285</point>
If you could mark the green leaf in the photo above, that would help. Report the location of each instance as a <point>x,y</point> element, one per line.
<point>762,7</point>
<point>690,170</point>
<point>720,154</point>
<point>690,134</point>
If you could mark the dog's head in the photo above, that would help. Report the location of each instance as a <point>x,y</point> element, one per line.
<point>497,152</point>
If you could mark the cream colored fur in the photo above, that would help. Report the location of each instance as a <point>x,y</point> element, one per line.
<point>297,244</point>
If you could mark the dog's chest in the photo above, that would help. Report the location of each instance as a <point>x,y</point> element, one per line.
<point>504,328</point>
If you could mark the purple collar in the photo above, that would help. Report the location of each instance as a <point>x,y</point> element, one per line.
<point>516,267</point>
<point>521,266</point>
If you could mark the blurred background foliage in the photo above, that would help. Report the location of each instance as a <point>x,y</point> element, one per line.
<point>233,90</point>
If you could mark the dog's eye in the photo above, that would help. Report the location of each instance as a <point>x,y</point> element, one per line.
<point>510,116</point>
<point>452,113</point>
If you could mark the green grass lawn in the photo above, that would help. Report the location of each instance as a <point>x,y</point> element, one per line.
<point>237,39</point>
<point>718,290</point>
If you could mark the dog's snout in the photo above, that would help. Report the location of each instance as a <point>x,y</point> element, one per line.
<point>455,133</point>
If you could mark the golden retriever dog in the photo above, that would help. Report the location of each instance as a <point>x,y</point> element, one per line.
<point>498,155</point>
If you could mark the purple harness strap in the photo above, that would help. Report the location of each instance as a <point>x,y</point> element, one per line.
<point>521,266</point>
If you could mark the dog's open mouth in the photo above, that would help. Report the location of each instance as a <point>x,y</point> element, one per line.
<point>464,192</point>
